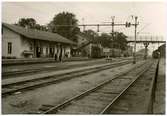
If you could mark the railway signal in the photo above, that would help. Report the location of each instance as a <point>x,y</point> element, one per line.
<point>136,23</point>
<point>127,24</point>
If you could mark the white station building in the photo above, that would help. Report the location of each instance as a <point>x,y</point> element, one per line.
<point>20,42</point>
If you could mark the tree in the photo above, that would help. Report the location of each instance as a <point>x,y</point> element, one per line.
<point>90,33</point>
<point>105,40</point>
<point>65,18</point>
<point>31,23</point>
<point>41,27</point>
<point>119,40</point>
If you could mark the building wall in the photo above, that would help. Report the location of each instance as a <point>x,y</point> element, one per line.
<point>15,39</point>
<point>89,50</point>
<point>21,44</point>
<point>86,51</point>
<point>26,45</point>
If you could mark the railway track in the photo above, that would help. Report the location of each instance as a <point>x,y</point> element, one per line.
<point>99,99</point>
<point>137,99</point>
<point>10,74</point>
<point>11,88</point>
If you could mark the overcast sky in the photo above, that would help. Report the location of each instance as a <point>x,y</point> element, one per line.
<point>151,15</point>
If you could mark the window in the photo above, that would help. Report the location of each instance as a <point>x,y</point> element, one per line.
<point>9,47</point>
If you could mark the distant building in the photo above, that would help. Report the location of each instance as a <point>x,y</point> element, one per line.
<point>111,52</point>
<point>115,52</point>
<point>19,42</point>
<point>128,51</point>
<point>81,39</point>
<point>85,46</point>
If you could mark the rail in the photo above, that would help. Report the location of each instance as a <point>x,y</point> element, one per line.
<point>43,81</point>
<point>60,106</point>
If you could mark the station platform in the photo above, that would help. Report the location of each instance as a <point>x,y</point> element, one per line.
<point>159,102</point>
<point>39,60</point>
<point>55,65</point>
<point>40,75</point>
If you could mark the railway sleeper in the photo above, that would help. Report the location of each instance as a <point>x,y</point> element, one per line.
<point>69,112</point>
<point>109,92</point>
<point>84,109</point>
<point>106,99</point>
<point>101,94</point>
<point>86,105</point>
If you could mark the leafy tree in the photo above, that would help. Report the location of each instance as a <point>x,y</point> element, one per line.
<point>119,40</point>
<point>105,40</point>
<point>31,23</point>
<point>41,27</point>
<point>92,35</point>
<point>65,18</point>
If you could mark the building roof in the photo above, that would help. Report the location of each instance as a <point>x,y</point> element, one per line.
<point>87,42</point>
<point>84,36</point>
<point>37,34</point>
<point>83,45</point>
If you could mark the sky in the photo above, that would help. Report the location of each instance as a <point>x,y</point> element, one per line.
<point>151,15</point>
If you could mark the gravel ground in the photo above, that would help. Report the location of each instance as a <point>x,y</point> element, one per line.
<point>159,103</point>
<point>31,101</point>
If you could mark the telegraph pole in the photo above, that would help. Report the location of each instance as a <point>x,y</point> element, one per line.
<point>112,24</point>
<point>134,55</point>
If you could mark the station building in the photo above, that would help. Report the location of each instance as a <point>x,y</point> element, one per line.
<point>20,42</point>
<point>84,46</point>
